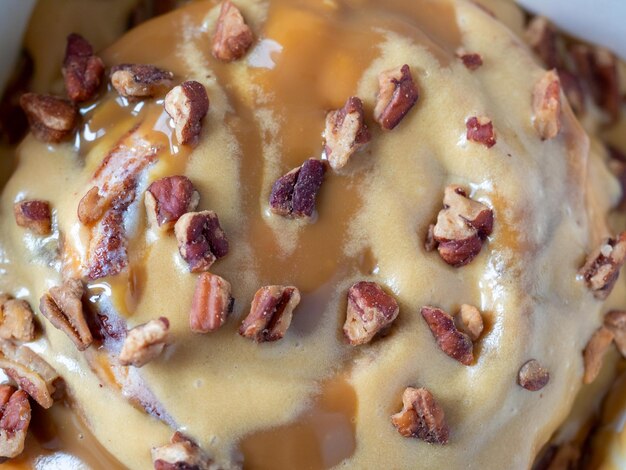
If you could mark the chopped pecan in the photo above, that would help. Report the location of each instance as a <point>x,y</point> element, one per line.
<point>16,320</point>
<point>294,194</point>
<point>601,270</point>
<point>345,133</point>
<point>233,37</point>
<point>480,129</point>
<point>547,105</point>
<point>63,307</point>
<point>421,417</point>
<point>30,372</point>
<point>462,226</point>
<point>181,454</point>
<point>145,342</point>
<point>187,104</point>
<point>542,37</point>
<point>594,352</point>
<point>532,376</point>
<point>212,302</point>
<point>51,119</point>
<point>471,60</point>
<point>92,206</point>
<point>453,342</point>
<point>370,312</point>
<point>14,420</point>
<point>397,94</point>
<point>34,215</point>
<point>168,199</point>
<point>82,69</point>
<point>201,240</point>
<point>472,321</point>
<point>270,314</point>
<point>140,81</point>
<point>615,321</point>
<point>597,67</point>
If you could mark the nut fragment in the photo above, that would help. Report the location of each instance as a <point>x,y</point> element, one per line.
<point>16,320</point>
<point>594,352</point>
<point>168,199</point>
<point>454,343</point>
<point>421,417</point>
<point>82,69</point>
<point>471,320</point>
<point>140,81</point>
<point>461,228</point>
<point>145,342</point>
<point>547,105</point>
<point>270,313</point>
<point>471,60</point>
<point>181,454</point>
<point>370,312</point>
<point>397,94</point>
<point>63,307</point>
<point>212,302</point>
<point>542,37</point>
<point>92,206</point>
<point>294,194</point>
<point>14,420</point>
<point>233,37</point>
<point>615,321</point>
<point>51,119</point>
<point>480,129</point>
<point>187,104</point>
<point>532,376</point>
<point>34,215</point>
<point>201,240</point>
<point>601,270</point>
<point>573,89</point>
<point>30,372</point>
<point>345,133</point>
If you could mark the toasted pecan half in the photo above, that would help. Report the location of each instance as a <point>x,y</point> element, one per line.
<point>345,133</point>
<point>397,94</point>
<point>451,341</point>
<point>421,417</point>
<point>270,313</point>
<point>52,119</point>
<point>601,270</point>
<point>370,312</point>
<point>34,215</point>
<point>82,69</point>
<point>15,417</point>
<point>233,37</point>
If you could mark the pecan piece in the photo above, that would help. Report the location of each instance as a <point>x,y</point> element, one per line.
<point>345,133</point>
<point>370,312</point>
<point>30,372</point>
<point>82,69</point>
<point>547,105</point>
<point>594,352</point>
<point>397,94</point>
<point>601,270</point>
<point>34,215</point>
<point>542,37</point>
<point>168,199</point>
<point>615,321</point>
<point>201,240</point>
<point>14,420</point>
<point>187,104</point>
<point>233,37</point>
<point>573,89</point>
<point>211,304</point>
<point>421,417</point>
<point>480,129</point>
<point>270,313</point>
<point>92,206</point>
<point>140,81</point>
<point>472,321</point>
<point>144,343</point>
<point>16,320</point>
<point>453,342</point>
<point>51,119</point>
<point>471,60</point>
<point>532,376</point>
<point>294,194</point>
<point>181,453</point>
<point>63,307</point>
<point>461,228</point>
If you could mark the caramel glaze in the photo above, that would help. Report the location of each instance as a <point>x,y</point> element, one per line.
<point>311,397</point>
